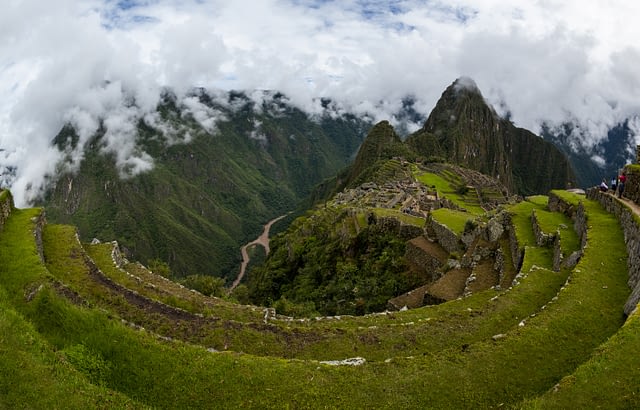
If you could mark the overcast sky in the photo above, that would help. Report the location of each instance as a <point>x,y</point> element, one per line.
<point>75,60</point>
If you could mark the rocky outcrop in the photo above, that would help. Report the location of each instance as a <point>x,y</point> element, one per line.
<point>6,205</point>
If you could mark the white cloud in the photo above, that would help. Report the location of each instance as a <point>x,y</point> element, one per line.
<point>76,61</point>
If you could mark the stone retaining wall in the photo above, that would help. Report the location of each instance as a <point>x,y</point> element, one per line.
<point>395,226</point>
<point>517,251</point>
<point>542,238</point>
<point>427,264</point>
<point>631,228</point>
<point>554,240</point>
<point>632,186</point>
<point>445,236</point>
<point>576,213</point>
<point>118,258</point>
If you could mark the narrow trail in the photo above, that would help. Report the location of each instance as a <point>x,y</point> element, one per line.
<point>262,240</point>
<point>635,208</point>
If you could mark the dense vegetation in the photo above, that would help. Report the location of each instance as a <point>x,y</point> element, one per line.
<point>319,269</point>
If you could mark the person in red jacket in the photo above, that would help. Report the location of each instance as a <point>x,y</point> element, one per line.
<point>622,179</point>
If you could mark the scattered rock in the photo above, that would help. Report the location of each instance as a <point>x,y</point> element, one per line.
<point>353,361</point>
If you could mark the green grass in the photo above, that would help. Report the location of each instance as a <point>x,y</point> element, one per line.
<point>64,260</point>
<point>32,373</point>
<point>454,220</point>
<point>521,218</point>
<point>438,357</point>
<point>552,222</point>
<point>401,216</point>
<point>568,197</point>
<point>615,364</point>
<point>18,254</point>
<point>445,188</point>
<point>138,278</point>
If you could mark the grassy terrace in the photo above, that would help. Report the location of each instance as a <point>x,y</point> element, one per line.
<point>136,277</point>
<point>479,316</point>
<point>447,188</point>
<point>439,357</point>
<point>454,220</point>
<point>33,372</point>
<point>401,216</point>
<point>65,261</point>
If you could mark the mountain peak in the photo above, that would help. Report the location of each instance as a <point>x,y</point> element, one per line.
<point>381,143</point>
<point>465,84</point>
<point>459,103</point>
<point>463,91</point>
<point>465,130</point>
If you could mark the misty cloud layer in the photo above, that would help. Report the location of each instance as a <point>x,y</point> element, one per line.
<point>83,62</point>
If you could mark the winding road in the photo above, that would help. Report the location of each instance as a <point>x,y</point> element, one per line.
<point>262,240</point>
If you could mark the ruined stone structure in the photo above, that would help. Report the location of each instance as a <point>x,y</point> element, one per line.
<point>632,186</point>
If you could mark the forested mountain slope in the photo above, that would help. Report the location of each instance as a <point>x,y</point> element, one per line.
<point>205,196</point>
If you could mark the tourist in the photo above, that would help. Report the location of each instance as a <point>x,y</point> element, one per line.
<point>603,186</point>
<point>622,179</point>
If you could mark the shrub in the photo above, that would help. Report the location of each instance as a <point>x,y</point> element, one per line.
<point>92,364</point>
<point>205,284</point>
<point>469,226</point>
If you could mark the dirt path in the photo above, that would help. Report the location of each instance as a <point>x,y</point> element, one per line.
<point>262,240</point>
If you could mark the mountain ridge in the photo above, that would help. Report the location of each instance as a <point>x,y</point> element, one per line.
<point>205,197</point>
<point>208,195</point>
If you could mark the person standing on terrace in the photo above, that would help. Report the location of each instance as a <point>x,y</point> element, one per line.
<point>622,179</point>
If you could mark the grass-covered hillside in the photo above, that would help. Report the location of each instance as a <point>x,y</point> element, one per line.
<point>82,328</point>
